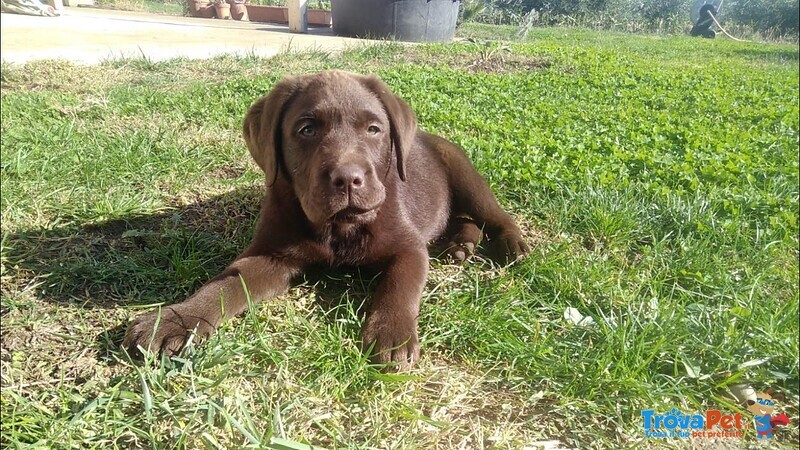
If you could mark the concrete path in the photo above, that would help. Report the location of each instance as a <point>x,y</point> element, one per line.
<point>89,36</point>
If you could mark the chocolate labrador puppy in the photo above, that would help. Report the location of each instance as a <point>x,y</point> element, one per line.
<point>351,181</point>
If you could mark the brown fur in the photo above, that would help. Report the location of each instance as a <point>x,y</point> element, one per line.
<point>351,181</point>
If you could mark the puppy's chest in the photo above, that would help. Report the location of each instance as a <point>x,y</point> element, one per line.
<point>347,246</point>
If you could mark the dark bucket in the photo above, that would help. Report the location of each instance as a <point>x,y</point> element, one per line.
<point>404,20</point>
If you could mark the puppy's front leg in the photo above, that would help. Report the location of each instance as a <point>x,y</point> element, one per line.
<point>222,297</point>
<point>392,319</point>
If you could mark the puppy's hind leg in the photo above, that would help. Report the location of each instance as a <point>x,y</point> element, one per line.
<point>472,196</point>
<point>463,237</point>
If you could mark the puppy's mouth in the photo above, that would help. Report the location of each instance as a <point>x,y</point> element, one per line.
<point>354,214</point>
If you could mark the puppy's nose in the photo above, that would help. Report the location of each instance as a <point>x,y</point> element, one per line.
<point>347,178</point>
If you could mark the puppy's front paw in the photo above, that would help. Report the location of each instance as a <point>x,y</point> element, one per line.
<point>395,340</point>
<point>167,333</point>
<point>508,245</point>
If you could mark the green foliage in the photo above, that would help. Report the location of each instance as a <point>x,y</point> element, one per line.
<point>770,18</point>
<point>783,16</point>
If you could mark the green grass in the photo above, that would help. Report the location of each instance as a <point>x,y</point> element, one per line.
<point>655,177</point>
<point>166,7</point>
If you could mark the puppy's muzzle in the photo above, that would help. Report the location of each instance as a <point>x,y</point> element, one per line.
<point>349,179</point>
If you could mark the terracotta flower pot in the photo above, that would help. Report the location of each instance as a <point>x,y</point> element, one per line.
<point>201,8</point>
<point>238,9</point>
<point>223,10</point>
<point>280,14</point>
<point>319,17</point>
<point>192,7</point>
<point>261,13</point>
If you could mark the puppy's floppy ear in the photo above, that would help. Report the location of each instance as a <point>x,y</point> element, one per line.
<point>262,127</point>
<point>402,120</point>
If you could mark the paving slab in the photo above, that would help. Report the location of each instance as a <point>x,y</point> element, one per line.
<point>91,35</point>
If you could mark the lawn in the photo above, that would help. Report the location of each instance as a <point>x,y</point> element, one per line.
<point>656,179</point>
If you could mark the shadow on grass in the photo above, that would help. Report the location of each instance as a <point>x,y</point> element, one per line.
<point>150,259</point>
<point>769,53</point>
<point>136,260</point>
<point>146,260</point>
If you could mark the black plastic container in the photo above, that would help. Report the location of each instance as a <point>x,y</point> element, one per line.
<point>404,20</point>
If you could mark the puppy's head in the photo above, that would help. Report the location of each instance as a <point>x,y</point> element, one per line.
<point>335,136</point>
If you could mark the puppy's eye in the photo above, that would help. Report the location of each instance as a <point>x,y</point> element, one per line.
<point>373,129</point>
<point>308,131</point>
